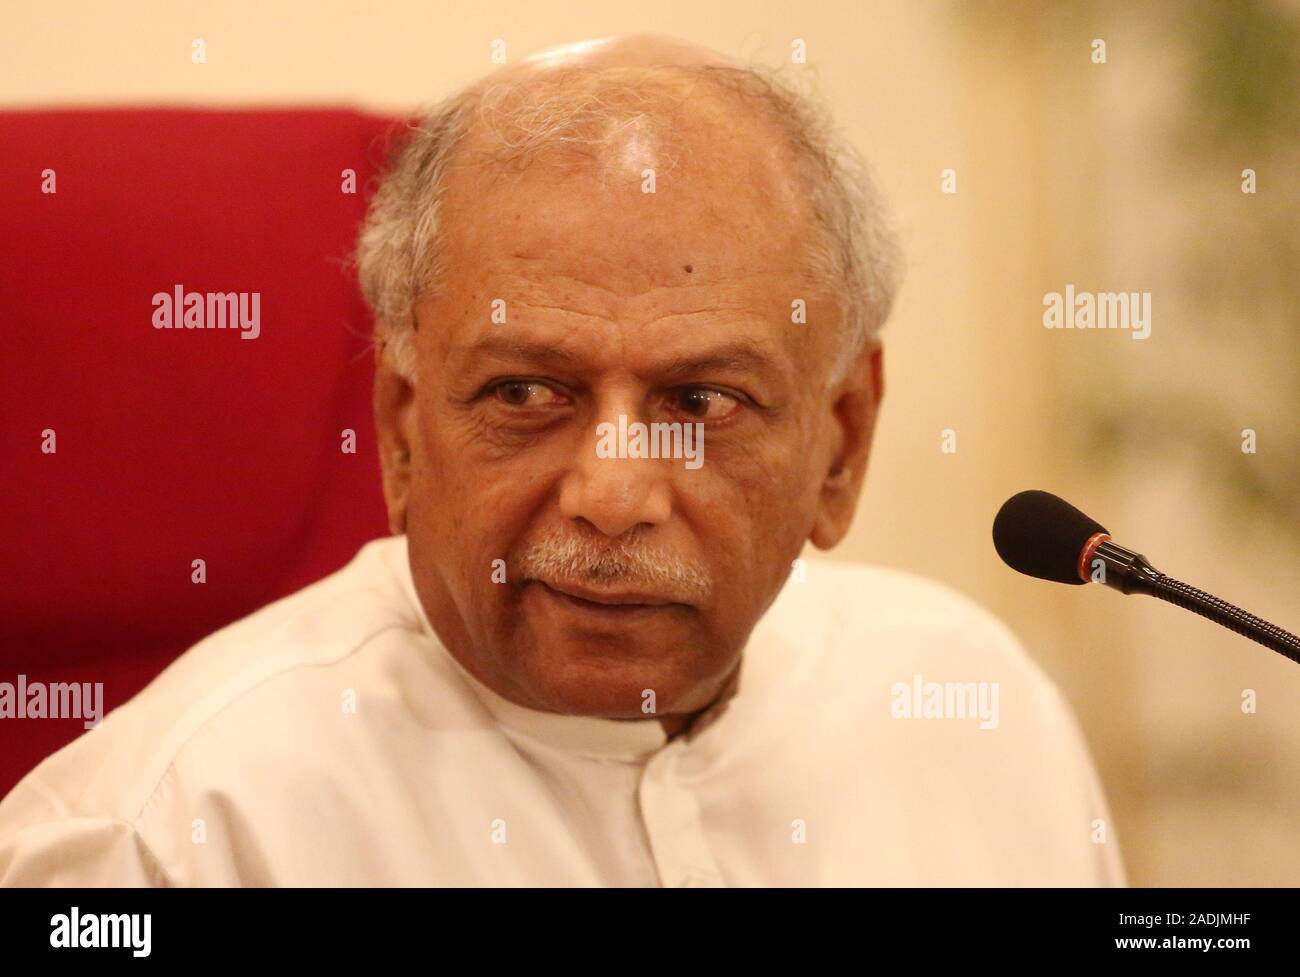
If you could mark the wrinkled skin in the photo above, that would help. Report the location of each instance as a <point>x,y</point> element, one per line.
<point>665,306</point>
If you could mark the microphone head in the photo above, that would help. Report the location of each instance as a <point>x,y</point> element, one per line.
<point>1042,535</point>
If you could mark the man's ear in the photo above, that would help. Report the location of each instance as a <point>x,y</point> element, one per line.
<point>394,404</point>
<point>856,402</point>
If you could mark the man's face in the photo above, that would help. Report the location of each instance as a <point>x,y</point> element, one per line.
<point>621,574</point>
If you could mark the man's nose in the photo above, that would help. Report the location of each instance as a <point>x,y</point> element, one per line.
<point>615,494</point>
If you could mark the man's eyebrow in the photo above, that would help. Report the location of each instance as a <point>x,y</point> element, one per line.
<point>740,356</point>
<point>508,348</point>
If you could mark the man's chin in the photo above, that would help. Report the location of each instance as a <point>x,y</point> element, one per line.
<point>580,675</point>
<point>601,661</point>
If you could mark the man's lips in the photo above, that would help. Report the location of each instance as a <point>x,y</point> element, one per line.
<point>607,600</point>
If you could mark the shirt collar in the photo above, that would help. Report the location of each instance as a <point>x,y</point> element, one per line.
<point>624,740</point>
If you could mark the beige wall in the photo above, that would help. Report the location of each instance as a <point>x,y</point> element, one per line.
<point>1051,188</point>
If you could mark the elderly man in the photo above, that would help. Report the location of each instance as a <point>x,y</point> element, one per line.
<point>627,296</point>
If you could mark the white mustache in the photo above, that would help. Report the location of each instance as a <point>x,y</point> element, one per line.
<point>560,556</point>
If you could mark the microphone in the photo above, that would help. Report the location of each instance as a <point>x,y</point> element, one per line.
<point>1044,536</point>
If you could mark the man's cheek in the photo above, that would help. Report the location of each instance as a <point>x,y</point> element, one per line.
<point>744,491</point>
<point>772,509</point>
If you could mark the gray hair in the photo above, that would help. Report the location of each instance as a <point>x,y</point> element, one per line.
<point>855,255</point>
<point>562,556</point>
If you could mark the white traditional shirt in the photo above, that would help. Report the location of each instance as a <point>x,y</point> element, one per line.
<point>885,732</point>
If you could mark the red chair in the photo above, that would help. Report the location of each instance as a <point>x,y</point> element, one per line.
<point>173,445</point>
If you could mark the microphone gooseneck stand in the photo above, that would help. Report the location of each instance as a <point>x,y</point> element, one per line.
<point>1131,573</point>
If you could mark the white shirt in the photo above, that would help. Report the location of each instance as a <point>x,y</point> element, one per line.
<point>330,739</point>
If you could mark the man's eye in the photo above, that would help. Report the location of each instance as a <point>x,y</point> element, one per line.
<point>527,393</point>
<point>704,403</point>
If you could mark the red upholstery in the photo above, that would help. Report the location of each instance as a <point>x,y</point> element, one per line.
<point>172,445</point>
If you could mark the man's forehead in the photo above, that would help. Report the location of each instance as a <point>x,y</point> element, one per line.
<point>654,202</point>
<point>595,318</point>
<point>602,253</point>
<point>593,242</point>
<point>686,212</point>
<point>558,254</point>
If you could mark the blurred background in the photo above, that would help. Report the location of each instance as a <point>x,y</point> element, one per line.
<point>1117,175</point>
